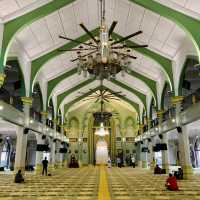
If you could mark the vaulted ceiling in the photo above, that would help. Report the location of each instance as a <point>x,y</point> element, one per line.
<point>36,25</point>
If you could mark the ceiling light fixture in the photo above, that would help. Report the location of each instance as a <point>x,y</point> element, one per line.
<point>103,57</point>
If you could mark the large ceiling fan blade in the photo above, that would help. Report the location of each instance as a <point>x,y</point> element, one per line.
<point>76,41</point>
<point>112,27</point>
<point>131,46</point>
<point>127,37</point>
<point>86,49</point>
<point>106,100</point>
<point>84,56</point>
<point>88,32</point>
<point>137,46</point>
<point>117,99</point>
<point>96,100</point>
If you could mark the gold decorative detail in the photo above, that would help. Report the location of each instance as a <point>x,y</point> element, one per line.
<point>27,100</point>
<point>160,113</point>
<point>177,99</point>
<point>2,78</point>
<point>44,113</point>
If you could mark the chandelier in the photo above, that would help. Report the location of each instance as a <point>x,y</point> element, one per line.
<point>103,69</point>
<point>103,57</point>
<point>102,131</point>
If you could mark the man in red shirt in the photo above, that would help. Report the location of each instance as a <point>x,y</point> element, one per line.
<point>171,183</point>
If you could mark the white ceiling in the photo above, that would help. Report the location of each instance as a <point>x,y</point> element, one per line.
<point>162,36</point>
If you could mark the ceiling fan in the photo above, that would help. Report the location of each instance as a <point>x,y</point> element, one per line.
<point>104,45</point>
<point>103,95</point>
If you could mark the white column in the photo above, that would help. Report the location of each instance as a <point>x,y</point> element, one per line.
<point>144,155</point>
<point>165,153</point>
<point>21,144</point>
<point>20,150</point>
<point>39,155</point>
<point>184,148</point>
<point>2,75</point>
<point>52,154</point>
<point>57,154</point>
<point>151,159</point>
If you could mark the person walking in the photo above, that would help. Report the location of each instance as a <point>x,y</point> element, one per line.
<point>45,166</point>
<point>133,161</point>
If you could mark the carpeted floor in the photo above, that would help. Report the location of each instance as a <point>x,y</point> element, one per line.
<point>97,183</point>
<point>141,184</point>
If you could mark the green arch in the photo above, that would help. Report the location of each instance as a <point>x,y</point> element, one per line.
<point>62,96</point>
<point>188,59</point>
<point>54,82</point>
<point>163,62</point>
<point>68,105</point>
<point>14,26</point>
<point>15,61</point>
<point>187,23</point>
<point>163,95</point>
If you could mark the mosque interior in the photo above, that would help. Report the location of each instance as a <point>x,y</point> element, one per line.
<point>89,84</point>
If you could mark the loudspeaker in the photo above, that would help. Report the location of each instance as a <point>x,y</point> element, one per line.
<point>54,140</point>
<point>179,129</point>
<point>26,130</point>
<point>44,137</point>
<point>149,139</point>
<point>160,136</point>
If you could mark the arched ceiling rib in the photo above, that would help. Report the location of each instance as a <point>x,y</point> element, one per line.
<point>59,17</point>
<point>40,39</point>
<point>68,103</point>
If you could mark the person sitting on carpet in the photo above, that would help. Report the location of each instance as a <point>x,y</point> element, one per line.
<point>157,170</point>
<point>18,177</point>
<point>171,183</point>
<point>179,174</point>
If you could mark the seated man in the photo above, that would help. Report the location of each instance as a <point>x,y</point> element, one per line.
<point>171,183</point>
<point>18,177</point>
<point>157,170</point>
<point>179,174</point>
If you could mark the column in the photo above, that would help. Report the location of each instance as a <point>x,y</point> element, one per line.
<point>184,147</point>
<point>52,155</point>
<point>21,144</point>
<point>80,150</point>
<point>57,153</point>
<point>62,155</point>
<point>144,155</point>
<point>44,118</point>
<point>165,153</point>
<point>138,155</point>
<point>39,155</point>
<point>151,156</point>
<point>123,133</point>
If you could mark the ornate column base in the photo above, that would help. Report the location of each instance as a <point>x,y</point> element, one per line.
<point>166,167</point>
<point>187,171</point>
<point>144,164</point>
<point>2,78</point>
<point>38,169</point>
<point>65,164</point>
<point>51,167</point>
<point>139,163</point>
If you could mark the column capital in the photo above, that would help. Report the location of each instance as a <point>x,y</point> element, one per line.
<point>27,100</point>
<point>176,99</point>
<point>44,113</point>
<point>160,113</point>
<point>2,78</point>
